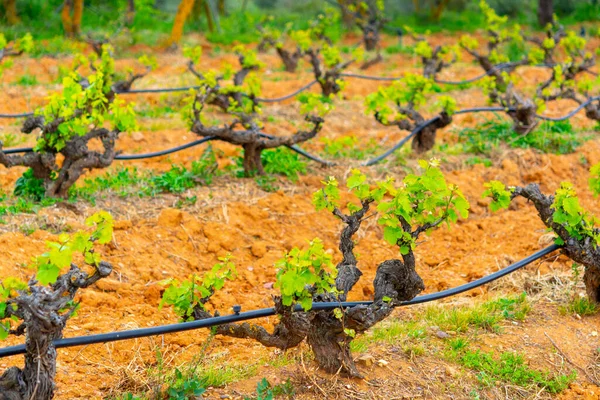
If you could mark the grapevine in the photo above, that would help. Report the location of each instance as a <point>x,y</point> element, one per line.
<point>575,228</point>
<point>40,308</point>
<point>399,104</point>
<point>69,121</point>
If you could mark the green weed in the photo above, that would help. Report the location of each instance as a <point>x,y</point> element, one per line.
<point>511,367</point>
<point>349,147</point>
<point>11,140</point>
<point>266,391</point>
<point>548,137</point>
<point>579,306</point>
<point>27,80</point>
<point>30,187</point>
<point>279,161</point>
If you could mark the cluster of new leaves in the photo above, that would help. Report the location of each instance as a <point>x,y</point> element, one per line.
<point>568,212</point>
<point>20,46</point>
<point>500,196</point>
<point>434,59</point>
<point>77,109</point>
<point>235,96</point>
<point>248,57</point>
<point>303,274</point>
<point>572,216</point>
<point>498,33</point>
<point>51,264</point>
<point>423,200</point>
<point>190,294</point>
<point>395,102</point>
<point>329,196</point>
<point>313,104</point>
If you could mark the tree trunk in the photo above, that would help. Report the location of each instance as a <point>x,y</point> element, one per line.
<point>524,119</point>
<point>591,279</point>
<point>130,15</point>
<point>11,12</point>
<point>77,14</point>
<point>252,162</point>
<point>36,380</point>
<point>65,16</point>
<point>290,60</point>
<point>416,6</point>
<point>347,16</point>
<point>330,345</point>
<point>438,9</point>
<point>545,12</point>
<point>209,16</point>
<point>425,139</point>
<point>183,11</point>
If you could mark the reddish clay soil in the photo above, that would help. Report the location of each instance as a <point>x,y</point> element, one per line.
<point>154,241</point>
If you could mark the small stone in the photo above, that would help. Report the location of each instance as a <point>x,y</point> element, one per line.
<point>594,333</point>
<point>137,136</point>
<point>268,285</point>
<point>382,363</point>
<point>442,335</point>
<point>366,359</point>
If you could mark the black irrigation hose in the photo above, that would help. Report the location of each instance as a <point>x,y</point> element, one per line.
<point>318,159</point>
<point>289,96</point>
<point>266,312</point>
<point>368,77</point>
<point>424,125</point>
<point>163,152</point>
<point>128,157</point>
<point>572,113</point>
<point>159,90</point>
<point>22,115</point>
<point>19,150</point>
<point>498,67</point>
<point>180,89</point>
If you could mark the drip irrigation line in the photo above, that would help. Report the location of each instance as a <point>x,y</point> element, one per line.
<point>498,67</point>
<point>368,77</point>
<point>158,90</point>
<point>572,113</point>
<point>301,151</point>
<point>129,157</point>
<point>304,153</point>
<point>179,89</point>
<point>266,312</point>
<point>289,96</point>
<point>124,157</point>
<point>21,115</point>
<point>422,126</point>
<point>18,150</point>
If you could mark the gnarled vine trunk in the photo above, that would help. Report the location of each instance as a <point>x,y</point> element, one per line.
<point>583,251</point>
<point>254,142</point>
<point>425,139</point>
<point>58,179</point>
<point>290,60</point>
<point>11,12</point>
<point>44,318</point>
<point>524,117</point>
